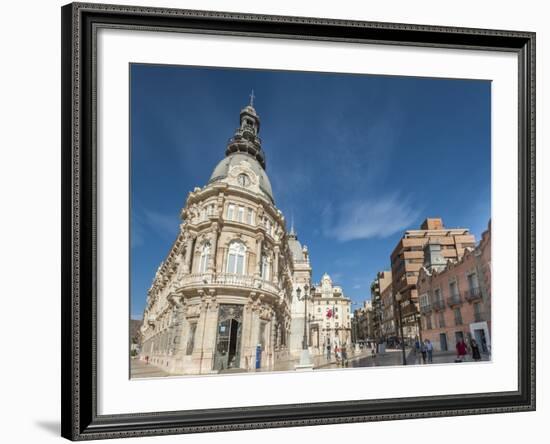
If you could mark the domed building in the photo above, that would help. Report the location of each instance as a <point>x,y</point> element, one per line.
<point>222,298</point>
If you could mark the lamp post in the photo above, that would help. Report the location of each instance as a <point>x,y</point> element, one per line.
<point>355,324</point>
<point>305,358</point>
<point>398,298</point>
<point>305,341</point>
<point>419,322</point>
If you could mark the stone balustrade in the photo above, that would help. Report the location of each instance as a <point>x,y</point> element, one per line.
<point>228,280</point>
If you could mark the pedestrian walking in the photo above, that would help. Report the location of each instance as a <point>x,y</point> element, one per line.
<point>328,351</point>
<point>147,359</point>
<point>417,347</point>
<point>476,355</point>
<point>423,350</point>
<point>337,354</point>
<point>344,355</point>
<point>461,350</point>
<point>430,350</point>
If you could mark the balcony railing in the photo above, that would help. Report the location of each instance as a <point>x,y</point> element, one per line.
<point>438,305</point>
<point>454,300</point>
<point>230,280</point>
<point>409,310</point>
<point>472,294</point>
<point>425,308</point>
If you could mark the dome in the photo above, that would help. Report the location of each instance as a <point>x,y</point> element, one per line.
<point>296,249</point>
<point>222,169</point>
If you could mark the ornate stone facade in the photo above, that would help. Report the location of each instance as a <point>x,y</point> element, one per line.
<point>227,286</point>
<point>330,321</point>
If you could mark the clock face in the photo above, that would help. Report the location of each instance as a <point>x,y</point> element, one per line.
<point>243,180</point>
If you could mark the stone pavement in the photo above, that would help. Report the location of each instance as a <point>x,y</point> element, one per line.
<point>139,369</point>
<point>319,361</point>
<point>447,357</point>
<point>389,357</point>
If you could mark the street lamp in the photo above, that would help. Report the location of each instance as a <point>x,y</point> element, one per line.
<point>398,298</point>
<point>305,358</point>
<point>305,341</point>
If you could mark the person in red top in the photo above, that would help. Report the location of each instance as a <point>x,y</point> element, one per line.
<point>461,350</point>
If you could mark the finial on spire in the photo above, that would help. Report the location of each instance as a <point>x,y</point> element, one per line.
<point>252,97</point>
<point>292,232</point>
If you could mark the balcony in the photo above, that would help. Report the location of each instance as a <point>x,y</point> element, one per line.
<point>228,280</point>
<point>425,308</point>
<point>438,305</point>
<point>454,300</point>
<point>409,310</point>
<point>473,294</point>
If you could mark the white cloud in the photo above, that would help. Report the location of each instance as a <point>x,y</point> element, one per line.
<point>148,222</point>
<point>369,218</point>
<point>166,224</point>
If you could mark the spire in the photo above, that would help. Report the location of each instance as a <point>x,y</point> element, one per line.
<point>245,139</point>
<point>292,233</point>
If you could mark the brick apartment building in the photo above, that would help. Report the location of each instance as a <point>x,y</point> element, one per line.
<point>455,296</point>
<point>407,259</point>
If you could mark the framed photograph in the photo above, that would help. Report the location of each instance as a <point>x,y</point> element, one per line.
<point>279,221</point>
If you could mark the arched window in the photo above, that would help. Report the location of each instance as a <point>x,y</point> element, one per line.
<point>265,268</point>
<point>205,257</point>
<point>236,258</point>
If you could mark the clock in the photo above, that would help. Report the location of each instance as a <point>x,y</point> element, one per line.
<point>243,180</point>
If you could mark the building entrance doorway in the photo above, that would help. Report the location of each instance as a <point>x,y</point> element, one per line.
<point>228,342</point>
<point>443,341</point>
<point>481,339</point>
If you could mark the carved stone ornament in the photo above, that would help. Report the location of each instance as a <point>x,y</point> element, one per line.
<point>231,311</point>
<point>193,311</point>
<point>266,312</point>
<point>243,168</point>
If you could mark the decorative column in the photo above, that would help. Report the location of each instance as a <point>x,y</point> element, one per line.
<point>177,327</point>
<point>245,334</point>
<point>208,343</point>
<point>276,253</point>
<point>272,339</point>
<point>259,242</point>
<point>188,250</point>
<point>220,205</point>
<point>248,349</point>
<point>213,247</point>
<point>198,350</point>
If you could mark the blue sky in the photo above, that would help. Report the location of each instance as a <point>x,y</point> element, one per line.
<point>354,159</point>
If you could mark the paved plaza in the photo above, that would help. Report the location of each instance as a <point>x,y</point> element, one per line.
<point>139,369</point>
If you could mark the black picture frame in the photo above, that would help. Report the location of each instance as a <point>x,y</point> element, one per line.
<point>80,420</point>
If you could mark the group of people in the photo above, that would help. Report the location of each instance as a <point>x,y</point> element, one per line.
<point>425,349</point>
<point>340,353</point>
<point>462,350</point>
